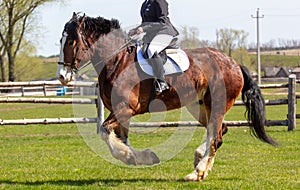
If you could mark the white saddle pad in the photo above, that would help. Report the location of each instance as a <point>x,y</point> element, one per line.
<point>177,62</point>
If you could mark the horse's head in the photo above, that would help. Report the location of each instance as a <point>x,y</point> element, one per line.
<point>79,35</point>
<point>73,47</point>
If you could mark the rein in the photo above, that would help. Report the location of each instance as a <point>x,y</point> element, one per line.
<point>135,38</point>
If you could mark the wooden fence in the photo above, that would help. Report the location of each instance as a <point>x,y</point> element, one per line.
<point>290,101</point>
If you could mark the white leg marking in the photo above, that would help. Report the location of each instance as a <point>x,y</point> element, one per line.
<point>199,153</point>
<point>127,153</point>
<point>206,163</point>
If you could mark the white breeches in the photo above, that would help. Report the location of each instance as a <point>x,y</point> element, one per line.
<point>159,43</point>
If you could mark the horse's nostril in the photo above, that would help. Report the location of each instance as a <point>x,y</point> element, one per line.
<point>61,77</point>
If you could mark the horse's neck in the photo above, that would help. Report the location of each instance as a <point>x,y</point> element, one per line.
<point>119,63</point>
<point>113,64</point>
<point>108,52</point>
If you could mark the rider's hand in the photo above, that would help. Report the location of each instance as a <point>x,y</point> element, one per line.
<point>139,30</point>
<point>132,32</point>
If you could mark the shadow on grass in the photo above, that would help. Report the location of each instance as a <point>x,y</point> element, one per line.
<point>84,182</point>
<point>102,182</point>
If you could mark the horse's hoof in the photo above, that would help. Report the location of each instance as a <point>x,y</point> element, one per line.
<point>154,158</point>
<point>149,158</point>
<point>131,160</point>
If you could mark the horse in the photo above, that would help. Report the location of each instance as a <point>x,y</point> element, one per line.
<point>208,89</point>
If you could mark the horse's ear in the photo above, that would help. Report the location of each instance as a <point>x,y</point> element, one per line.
<point>81,20</point>
<point>74,15</point>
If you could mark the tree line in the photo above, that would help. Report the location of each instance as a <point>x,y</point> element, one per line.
<point>233,43</point>
<point>277,44</point>
<point>231,39</point>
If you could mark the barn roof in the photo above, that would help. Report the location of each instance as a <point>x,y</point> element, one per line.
<point>277,71</point>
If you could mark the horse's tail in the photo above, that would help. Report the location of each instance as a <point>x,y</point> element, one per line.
<point>255,104</point>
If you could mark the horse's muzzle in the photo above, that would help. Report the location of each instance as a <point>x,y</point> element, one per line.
<point>64,75</point>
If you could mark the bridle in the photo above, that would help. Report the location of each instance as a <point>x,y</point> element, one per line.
<point>72,65</point>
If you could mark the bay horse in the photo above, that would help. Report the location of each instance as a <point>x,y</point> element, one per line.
<point>208,89</point>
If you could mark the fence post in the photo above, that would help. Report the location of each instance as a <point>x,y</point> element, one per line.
<point>44,89</point>
<point>292,103</point>
<point>100,111</point>
<point>23,91</point>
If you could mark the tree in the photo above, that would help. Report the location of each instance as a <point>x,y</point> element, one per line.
<point>24,64</point>
<point>14,18</point>
<point>233,43</point>
<point>2,63</point>
<point>229,39</point>
<point>241,56</point>
<point>190,37</point>
<point>207,43</point>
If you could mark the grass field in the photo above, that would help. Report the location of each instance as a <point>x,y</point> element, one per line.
<point>57,156</point>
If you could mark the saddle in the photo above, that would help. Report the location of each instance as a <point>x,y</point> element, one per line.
<point>176,61</point>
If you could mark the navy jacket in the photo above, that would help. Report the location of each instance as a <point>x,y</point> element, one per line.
<point>155,19</point>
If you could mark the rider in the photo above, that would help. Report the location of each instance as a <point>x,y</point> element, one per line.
<point>159,34</point>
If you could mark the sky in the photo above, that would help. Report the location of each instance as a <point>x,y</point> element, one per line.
<point>281,19</point>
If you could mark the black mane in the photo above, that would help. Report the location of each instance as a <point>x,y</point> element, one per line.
<point>71,29</point>
<point>100,26</point>
<point>92,26</point>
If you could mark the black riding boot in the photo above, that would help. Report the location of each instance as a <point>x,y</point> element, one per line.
<point>158,68</point>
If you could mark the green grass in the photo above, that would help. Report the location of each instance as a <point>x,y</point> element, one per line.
<point>61,160</point>
<point>57,157</point>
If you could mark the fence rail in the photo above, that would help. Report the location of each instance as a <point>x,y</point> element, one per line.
<point>290,121</point>
<point>48,121</point>
<point>94,101</point>
<point>47,83</point>
<point>49,100</point>
<point>86,120</point>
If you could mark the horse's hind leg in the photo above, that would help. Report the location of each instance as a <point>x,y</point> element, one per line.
<point>214,129</point>
<point>199,112</point>
<point>200,151</point>
<point>202,114</point>
<point>206,152</point>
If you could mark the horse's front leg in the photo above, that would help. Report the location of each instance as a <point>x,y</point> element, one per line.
<point>114,132</point>
<point>117,144</point>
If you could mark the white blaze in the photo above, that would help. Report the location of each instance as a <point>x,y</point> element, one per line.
<point>63,74</point>
<point>63,41</point>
